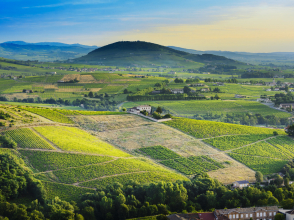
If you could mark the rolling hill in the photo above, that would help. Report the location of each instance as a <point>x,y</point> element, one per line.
<point>44,51</point>
<point>144,54</point>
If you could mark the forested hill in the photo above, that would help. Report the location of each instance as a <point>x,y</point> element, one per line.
<point>148,54</point>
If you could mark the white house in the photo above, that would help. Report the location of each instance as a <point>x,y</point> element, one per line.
<point>140,108</point>
<point>241,184</point>
<point>177,91</point>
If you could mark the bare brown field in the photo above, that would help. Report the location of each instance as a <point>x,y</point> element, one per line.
<point>69,90</point>
<point>19,96</point>
<point>234,171</point>
<point>127,80</point>
<point>95,89</point>
<point>87,79</point>
<point>21,117</point>
<point>69,77</point>
<point>110,122</point>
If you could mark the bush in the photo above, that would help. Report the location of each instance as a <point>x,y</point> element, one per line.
<point>7,142</point>
<point>156,115</point>
<point>168,116</point>
<point>275,133</point>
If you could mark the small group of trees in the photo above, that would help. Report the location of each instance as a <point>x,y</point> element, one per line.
<point>158,112</point>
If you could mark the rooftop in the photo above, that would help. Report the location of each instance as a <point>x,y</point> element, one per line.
<point>245,210</point>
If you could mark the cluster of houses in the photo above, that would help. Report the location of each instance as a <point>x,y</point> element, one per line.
<point>254,213</point>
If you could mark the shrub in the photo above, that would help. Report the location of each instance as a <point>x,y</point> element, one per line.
<point>156,115</point>
<point>168,116</point>
<point>7,142</point>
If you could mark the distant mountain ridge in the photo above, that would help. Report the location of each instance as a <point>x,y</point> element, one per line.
<point>246,56</point>
<point>57,44</point>
<point>127,53</point>
<point>43,51</point>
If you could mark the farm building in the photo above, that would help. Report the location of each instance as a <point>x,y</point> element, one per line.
<point>240,96</point>
<point>241,184</point>
<point>204,90</point>
<point>273,83</point>
<point>155,92</point>
<point>193,216</point>
<point>140,108</point>
<point>286,105</point>
<point>177,91</point>
<point>255,213</point>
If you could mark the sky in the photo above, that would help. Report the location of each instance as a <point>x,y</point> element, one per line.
<point>227,25</point>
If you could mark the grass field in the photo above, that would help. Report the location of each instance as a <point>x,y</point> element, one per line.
<point>74,139</point>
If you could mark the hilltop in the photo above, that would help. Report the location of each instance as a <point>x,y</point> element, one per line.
<point>139,53</point>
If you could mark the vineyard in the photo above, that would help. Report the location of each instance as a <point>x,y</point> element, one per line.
<point>192,165</point>
<point>44,160</point>
<point>235,141</point>
<point>64,192</point>
<point>50,114</point>
<point>143,177</point>
<point>159,152</point>
<point>26,138</point>
<point>262,164</point>
<point>206,129</point>
<point>262,149</point>
<point>74,139</point>
<point>119,166</point>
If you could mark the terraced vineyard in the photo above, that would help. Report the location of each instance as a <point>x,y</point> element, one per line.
<point>143,177</point>
<point>120,166</point>
<point>235,141</point>
<point>26,138</point>
<point>262,164</point>
<point>50,114</point>
<point>64,192</point>
<point>159,152</point>
<point>206,129</point>
<point>263,149</point>
<point>44,160</point>
<point>74,139</point>
<point>191,165</point>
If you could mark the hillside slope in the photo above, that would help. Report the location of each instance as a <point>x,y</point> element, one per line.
<point>138,53</point>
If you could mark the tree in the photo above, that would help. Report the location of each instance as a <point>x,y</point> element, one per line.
<point>290,130</point>
<point>126,91</point>
<point>187,89</point>
<point>258,177</point>
<point>275,133</point>
<point>124,109</point>
<point>216,90</point>
<point>7,142</point>
<point>91,95</point>
<point>279,216</point>
<point>216,97</point>
<point>159,110</point>
<point>279,194</point>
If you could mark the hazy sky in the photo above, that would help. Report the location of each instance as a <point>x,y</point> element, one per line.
<point>234,25</point>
